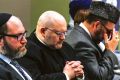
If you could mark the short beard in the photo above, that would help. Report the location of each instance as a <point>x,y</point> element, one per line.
<point>98,36</point>
<point>19,54</point>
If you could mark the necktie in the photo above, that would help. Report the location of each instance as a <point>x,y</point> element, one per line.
<point>15,64</point>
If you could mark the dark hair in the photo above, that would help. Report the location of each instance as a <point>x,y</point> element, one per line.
<point>81,15</point>
<point>92,18</point>
<point>3,30</point>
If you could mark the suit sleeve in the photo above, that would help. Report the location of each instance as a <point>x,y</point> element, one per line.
<point>98,66</point>
<point>5,74</point>
<point>112,57</point>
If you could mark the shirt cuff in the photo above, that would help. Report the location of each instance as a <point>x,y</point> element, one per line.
<point>67,77</point>
<point>81,78</point>
<point>102,46</point>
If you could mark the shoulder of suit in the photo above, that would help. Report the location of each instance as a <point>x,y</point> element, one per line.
<point>2,63</point>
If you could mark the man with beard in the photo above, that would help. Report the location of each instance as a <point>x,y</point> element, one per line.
<point>48,58</point>
<point>12,46</point>
<point>85,38</point>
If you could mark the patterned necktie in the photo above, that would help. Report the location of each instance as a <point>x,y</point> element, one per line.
<point>15,64</point>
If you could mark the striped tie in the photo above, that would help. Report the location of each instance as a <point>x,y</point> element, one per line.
<point>15,64</point>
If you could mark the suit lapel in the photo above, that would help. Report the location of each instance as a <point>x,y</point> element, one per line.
<point>81,30</point>
<point>13,72</point>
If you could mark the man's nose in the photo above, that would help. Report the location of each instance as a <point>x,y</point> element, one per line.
<point>24,40</point>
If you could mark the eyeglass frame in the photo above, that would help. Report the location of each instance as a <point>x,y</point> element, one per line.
<point>109,32</point>
<point>57,32</point>
<point>19,36</point>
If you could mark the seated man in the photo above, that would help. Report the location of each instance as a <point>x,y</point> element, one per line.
<point>85,38</point>
<point>12,46</point>
<point>48,57</point>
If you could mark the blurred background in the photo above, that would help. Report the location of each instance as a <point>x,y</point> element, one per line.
<point>30,10</point>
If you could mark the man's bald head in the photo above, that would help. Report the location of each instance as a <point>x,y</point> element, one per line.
<point>48,19</point>
<point>51,29</point>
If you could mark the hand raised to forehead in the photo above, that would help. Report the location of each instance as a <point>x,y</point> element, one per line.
<point>112,44</point>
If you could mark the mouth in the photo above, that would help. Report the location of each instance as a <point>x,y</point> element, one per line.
<point>60,42</point>
<point>22,48</point>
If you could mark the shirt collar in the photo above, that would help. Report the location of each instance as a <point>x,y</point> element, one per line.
<point>101,45</point>
<point>4,58</point>
<point>83,26</point>
<point>39,39</point>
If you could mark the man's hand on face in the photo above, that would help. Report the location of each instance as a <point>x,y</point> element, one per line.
<point>113,42</point>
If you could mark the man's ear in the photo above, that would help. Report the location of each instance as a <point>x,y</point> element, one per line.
<point>42,31</point>
<point>96,24</point>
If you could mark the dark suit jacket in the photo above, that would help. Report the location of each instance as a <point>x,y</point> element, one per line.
<point>43,62</point>
<point>8,73</point>
<point>98,65</point>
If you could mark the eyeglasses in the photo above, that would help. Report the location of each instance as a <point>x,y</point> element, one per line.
<point>58,32</point>
<point>109,32</point>
<point>19,37</point>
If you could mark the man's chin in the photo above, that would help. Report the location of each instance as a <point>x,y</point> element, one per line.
<point>21,53</point>
<point>58,46</point>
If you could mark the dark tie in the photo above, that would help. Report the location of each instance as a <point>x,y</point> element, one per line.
<point>15,64</point>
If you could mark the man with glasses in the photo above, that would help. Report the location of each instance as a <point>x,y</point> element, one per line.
<point>85,38</point>
<point>48,57</point>
<point>12,46</point>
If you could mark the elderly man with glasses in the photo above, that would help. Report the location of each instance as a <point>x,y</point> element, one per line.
<point>48,57</point>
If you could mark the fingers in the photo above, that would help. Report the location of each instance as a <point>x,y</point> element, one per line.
<point>71,62</point>
<point>74,64</point>
<point>106,38</point>
<point>112,43</point>
<point>79,74</point>
<point>117,36</point>
<point>77,67</point>
<point>69,71</point>
<point>79,70</point>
